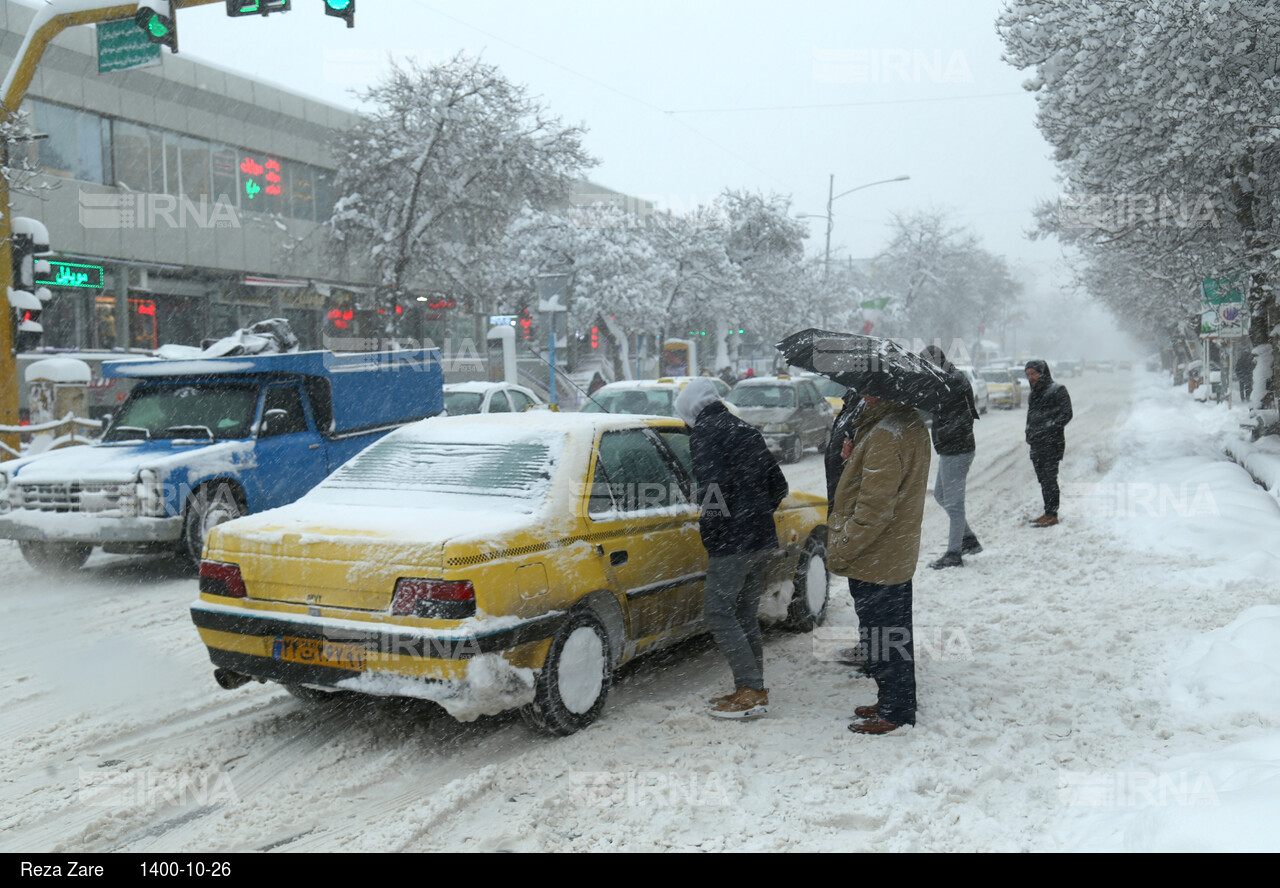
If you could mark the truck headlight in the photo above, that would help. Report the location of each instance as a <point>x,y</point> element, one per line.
<point>149,493</point>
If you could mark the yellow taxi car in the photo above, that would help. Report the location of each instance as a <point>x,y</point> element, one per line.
<point>1002,386</point>
<point>486,563</point>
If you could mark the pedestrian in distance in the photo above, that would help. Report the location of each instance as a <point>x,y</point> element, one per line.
<point>1048,412</point>
<point>874,541</point>
<point>953,441</point>
<point>739,487</point>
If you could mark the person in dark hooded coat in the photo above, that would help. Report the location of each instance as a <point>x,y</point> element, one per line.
<point>1048,412</point>
<point>739,487</point>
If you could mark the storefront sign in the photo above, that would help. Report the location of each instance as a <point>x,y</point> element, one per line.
<point>123,45</point>
<point>71,274</point>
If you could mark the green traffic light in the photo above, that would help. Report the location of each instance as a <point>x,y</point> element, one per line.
<point>337,5</point>
<point>157,27</point>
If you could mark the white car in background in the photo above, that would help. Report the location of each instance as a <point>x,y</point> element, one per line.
<point>981,396</point>
<point>463,398</point>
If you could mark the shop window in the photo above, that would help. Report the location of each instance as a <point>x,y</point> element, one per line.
<point>142,323</point>
<point>76,142</point>
<point>131,152</point>
<point>196,183</point>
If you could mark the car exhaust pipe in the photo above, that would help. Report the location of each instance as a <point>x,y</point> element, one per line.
<point>229,680</point>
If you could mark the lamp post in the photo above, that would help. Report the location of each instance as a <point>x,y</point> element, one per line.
<point>832,197</point>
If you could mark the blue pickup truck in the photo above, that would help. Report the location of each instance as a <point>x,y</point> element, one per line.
<point>202,441</point>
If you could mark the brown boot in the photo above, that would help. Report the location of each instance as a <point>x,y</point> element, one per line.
<point>1046,520</point>
<point>867,711</point>
<point>744,703</point>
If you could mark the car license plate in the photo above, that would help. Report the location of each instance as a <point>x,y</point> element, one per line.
<point>318,652</point>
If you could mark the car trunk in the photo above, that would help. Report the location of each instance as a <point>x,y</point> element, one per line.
<point>327,567</point>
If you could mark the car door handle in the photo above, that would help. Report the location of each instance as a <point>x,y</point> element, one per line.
<point>618,557</point>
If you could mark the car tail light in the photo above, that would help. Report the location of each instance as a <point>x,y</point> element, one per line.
<point>440,599</point>
<point>217,578</point>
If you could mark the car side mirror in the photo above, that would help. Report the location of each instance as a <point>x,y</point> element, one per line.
<point>274,421</point>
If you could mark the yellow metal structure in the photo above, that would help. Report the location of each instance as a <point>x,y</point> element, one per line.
<point>20,74</point>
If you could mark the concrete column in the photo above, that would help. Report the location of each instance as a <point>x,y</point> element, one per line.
<point>122,307</point>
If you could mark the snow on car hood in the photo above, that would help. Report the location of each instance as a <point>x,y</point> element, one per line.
<point>122,461</point>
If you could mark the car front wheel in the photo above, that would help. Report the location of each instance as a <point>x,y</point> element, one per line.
<point>209,506</point>
<point>574,681</point>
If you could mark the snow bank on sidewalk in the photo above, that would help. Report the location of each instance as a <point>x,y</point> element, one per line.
<point>1172,492</point>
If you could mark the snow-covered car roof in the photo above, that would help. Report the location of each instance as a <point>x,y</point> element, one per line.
<point>481,386</point>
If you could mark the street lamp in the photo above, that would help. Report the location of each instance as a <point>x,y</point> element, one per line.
<point>832,197</point>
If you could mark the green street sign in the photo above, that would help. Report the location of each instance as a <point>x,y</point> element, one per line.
<point>1216,291</point>
<point>876,304</point>
<point>72,274</point>
<point>121,46</point>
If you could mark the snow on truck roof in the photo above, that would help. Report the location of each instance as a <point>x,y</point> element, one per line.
<point>308,363</point>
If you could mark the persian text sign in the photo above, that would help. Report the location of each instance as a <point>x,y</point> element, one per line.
<point>123,45</point>
<point>1223,311</point>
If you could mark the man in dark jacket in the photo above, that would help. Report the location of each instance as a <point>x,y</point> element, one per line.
<point>739,486</point>
<point>1048,412</point>
<point>954,443</point>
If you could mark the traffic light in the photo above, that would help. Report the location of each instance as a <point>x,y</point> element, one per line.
<point>237,8</point>
<point>30,240</point>
<point>157,20</point>
<point>526,325</point>
<point>343,9</point>
<point>595,337</point>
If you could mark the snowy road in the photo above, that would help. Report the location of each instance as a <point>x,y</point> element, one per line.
<point>1044,656</point>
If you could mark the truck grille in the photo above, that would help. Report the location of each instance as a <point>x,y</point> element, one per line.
<point>70,497</point>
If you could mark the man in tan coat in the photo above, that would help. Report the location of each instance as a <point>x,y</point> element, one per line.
<point>874,540</point>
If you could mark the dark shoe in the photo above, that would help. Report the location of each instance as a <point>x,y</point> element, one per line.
<point>970,546</point>
<point>874,725</point>
<point>950,559</point>
<point>867,711</point>
<point>1046,521</point>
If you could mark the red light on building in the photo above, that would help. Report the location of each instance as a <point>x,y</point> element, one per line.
<point>595,337</point>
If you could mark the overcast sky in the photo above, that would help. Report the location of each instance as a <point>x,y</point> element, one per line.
<point>685,99</point>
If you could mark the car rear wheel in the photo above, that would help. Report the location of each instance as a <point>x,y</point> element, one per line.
<point>208,506</point>
<point>54,557</point>
<point>808,606</point>
<point>574,681</point>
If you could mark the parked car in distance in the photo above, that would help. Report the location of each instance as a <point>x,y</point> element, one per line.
<point>463,398</point>
<point>1002,387</point>
<point>1107,366</point>
<point>981,396</point>
<point>1124,365</point>
<point>644,397</point>
<point>787,410</point>
<point>487,563</point>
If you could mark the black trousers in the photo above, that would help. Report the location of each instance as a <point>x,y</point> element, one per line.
<point>1045,461</point>
<point>884,617</point>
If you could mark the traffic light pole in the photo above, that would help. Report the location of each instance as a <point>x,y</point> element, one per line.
<point>44,28</point>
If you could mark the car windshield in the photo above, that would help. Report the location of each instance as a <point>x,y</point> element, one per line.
<point>763,396</point>
<point>832,389</point>
<point>446,474</point>
<point>654,402</point>
<point>1001,376</point>
<point>226,410</point>
<point>462,403</point>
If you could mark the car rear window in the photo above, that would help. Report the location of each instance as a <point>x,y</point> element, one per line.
<point>453,474</point>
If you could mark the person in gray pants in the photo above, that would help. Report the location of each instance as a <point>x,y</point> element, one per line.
<point>739,487</point>
<point>954,443</point>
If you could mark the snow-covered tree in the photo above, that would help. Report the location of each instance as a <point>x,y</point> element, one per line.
<point>430,177</point>
<point>1164,122</point>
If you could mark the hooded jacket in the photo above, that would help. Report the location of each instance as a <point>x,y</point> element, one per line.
<point>739,482</point>
<point>952,430</point>
<point>1048,411</point>
<point>874,525</point>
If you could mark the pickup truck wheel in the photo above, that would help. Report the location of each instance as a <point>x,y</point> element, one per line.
<point>208,506</point>
<point>808,605</point>
<point>574,681</point>
<point>54,557</point>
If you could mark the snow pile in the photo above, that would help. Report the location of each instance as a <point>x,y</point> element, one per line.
<point>68,371</point>
<point>1234,670</point>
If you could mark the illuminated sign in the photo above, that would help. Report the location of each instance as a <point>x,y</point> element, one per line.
<point>72,274</point>
<point>256,174</point>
